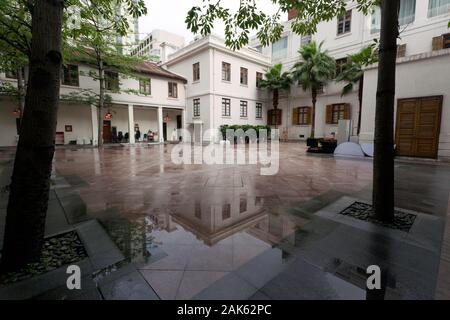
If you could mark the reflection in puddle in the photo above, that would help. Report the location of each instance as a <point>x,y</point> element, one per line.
<point>236,222</point>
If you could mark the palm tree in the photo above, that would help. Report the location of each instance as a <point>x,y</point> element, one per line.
<point>275,80</point>
<point>353,73</point>
<point>312,72</point>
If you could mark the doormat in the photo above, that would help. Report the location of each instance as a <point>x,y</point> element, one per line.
<point>403,221</point>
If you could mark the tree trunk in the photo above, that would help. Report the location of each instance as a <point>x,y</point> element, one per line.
<point>30,182</point>
<point>313,113</point>
<point>101,101</point>
<point>276,95</point>
<point>383,164</point>
<point>21,91</point>
<point>360,97</point>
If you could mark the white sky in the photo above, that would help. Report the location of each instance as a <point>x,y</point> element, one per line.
<point>170,15</point>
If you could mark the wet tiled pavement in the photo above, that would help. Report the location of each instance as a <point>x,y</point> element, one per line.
<point>225,231</point>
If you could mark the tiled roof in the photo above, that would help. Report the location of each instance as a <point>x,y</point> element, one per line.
<point>152,68</point>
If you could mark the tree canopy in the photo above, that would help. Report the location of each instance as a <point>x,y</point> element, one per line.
<point>239,24</point>
<point>315,68</point>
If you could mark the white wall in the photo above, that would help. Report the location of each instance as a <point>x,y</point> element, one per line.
<point>159,90</point>
<point>210,52</point>
<point>147,119</point>
<point>8,129</point>
<point>79,117</point>
<point>427,76</point>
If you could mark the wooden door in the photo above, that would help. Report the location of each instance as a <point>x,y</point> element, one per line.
<point>165,131</point>
<point>418,125</point>
<point>107,131</point>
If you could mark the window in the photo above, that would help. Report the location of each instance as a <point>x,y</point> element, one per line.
<point>226,211</point>
<point>336,112</point>
<point>274,117</point>
<point>196,107</point>
<point>145,86</point>
<point>111,80</point>
<point>226,71</point>
<point>279,48</point>
<point>441,42</point>
<point>375,20</point>
<point>259,77</point>
<point>305,39</point>
<point>340,63</point>
<point>226,107</point>
<point>406,15</point>
<point>401,50</point>
<point>446,38</point>
<point>244,76</point>
<point>198,210</point>
<point>173,90</point>
<point>196,71</point>
<point>345,23</point>
<point>244,109</point>
<point>438,7</point>
<point>258,111</point>
<point>407,11</point>
<point>242,205</point>
<point>302,116</point>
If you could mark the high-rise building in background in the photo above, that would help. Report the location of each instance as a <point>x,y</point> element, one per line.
<point>158,45</point>
<point>128,42</point>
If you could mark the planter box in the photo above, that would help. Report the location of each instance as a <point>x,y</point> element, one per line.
<point>312,142</point>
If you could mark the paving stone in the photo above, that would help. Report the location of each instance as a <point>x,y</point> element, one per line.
<point>88,291</point>
<point>230,287</point>
<point>100,248</point>
<point>126,284</point>
<point>262,268</point>
<point>41,284</point>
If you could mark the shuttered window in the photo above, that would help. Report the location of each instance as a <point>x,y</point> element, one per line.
<point>336,112</point>
<point>301,116</point>
<point>340,63</point>
<point>274,117</point>
<point>401,50</point>
<point>441,42</point>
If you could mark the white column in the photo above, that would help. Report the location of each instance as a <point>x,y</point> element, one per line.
<point>160,124</point>
<point>131,123</point>
<point>94,119</point>
<point>183,124</point>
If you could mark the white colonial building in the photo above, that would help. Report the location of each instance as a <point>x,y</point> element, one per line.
<point>205,85</point>
<point>221,87</point>
<point>153,101</point>
<point>422,125</point>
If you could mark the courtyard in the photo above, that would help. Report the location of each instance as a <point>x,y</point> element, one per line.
<point>226,232</point>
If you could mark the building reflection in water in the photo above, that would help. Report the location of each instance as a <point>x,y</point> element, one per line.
<point>210,221</point>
